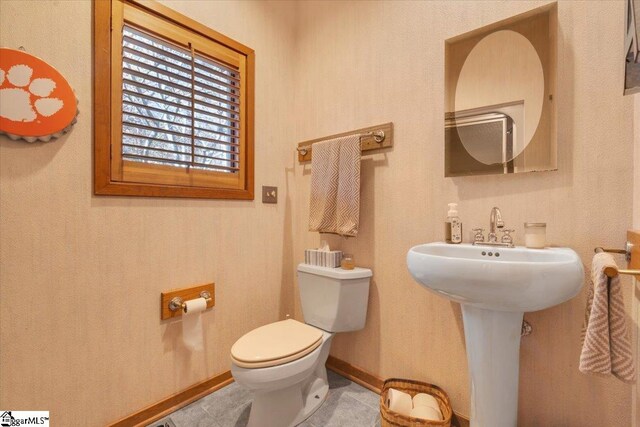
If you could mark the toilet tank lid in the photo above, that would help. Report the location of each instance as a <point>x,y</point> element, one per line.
<point>336,273</point>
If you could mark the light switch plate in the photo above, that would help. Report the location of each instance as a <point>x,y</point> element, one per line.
<point>269,194</point>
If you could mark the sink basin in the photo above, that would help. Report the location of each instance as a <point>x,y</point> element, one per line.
<point>510,279</point>
<point>495,286</point>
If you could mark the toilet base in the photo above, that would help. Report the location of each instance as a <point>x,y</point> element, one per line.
<point>291,405</point>
<point>288,407</point>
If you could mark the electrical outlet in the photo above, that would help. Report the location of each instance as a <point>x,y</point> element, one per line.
<point>269,194</point>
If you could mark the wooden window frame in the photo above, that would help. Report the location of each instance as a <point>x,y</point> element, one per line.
<point>104,99</point>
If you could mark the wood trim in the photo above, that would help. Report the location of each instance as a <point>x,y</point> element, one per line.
<point>117,16</point>
<point>174,402</point>
<point>108,177</point>
<point>101,94</point>
<point>115,188</point>
<point>355,374</point>
<point>374,383</point>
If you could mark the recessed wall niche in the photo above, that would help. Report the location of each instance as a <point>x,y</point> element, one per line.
<point>500,108</point>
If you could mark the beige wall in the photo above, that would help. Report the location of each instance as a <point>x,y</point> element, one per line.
<point>73,265</point>
<point>636,169</point>
<point>364,63</point>
<point>81,275</point>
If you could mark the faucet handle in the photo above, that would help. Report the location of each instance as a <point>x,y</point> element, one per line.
<point>478,235</point>
<point>507,237</point>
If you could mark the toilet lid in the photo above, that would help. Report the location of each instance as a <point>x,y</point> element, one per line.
<point>275,343</point>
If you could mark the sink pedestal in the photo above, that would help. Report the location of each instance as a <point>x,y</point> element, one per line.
<point>494,292</point>
<point>493,352</point>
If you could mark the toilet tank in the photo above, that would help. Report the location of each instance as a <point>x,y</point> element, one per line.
<point>334,299</point>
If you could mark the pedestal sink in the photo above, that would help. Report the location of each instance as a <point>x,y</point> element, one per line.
<point>495,287</point>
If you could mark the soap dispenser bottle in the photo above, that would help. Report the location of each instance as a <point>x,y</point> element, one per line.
<point>453,226</point>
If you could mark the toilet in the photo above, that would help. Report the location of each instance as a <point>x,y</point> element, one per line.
<point>283,363</point>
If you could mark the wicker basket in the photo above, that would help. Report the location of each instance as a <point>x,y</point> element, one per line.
<point>389,418</point>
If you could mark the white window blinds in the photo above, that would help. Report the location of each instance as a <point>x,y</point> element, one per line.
<point>179,107</point>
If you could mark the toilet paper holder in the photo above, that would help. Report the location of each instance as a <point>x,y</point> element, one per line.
<point>172,302</point>
<point>177,303</point>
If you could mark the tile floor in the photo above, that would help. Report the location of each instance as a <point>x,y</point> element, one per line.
<point>347,405</point>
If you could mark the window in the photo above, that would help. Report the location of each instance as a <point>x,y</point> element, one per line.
<point>173,105</point>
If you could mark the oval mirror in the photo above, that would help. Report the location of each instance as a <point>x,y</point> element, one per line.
<point>501,84</point>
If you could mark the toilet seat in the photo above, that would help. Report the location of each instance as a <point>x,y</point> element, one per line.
<point>275,344</point>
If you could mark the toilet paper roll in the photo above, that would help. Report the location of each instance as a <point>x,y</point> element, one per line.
<point>192,323</point>
<point>399,401</point>
<point>426,413</point>
<point>424,399</point>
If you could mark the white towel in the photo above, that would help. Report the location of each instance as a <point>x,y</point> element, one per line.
<point>335,186</point>
<point>607,346</point>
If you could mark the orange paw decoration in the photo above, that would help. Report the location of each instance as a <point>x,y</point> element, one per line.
<point>36,101</point>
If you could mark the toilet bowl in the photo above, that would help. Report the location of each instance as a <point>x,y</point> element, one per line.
<point>283,363</point>
<point>288,393</point>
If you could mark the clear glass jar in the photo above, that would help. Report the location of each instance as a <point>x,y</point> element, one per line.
<point>535,235</point>
<point>347,262</point>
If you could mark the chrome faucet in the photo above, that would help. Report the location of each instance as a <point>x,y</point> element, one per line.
<point>495,220</point>
<point>495,224</point>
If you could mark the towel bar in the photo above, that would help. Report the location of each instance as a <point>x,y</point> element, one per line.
<point>378,136</point>
<point>371,138</point>
<point>613,272</point>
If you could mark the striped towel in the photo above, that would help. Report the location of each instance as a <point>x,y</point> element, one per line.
<point>335,186</point>
<point>606,348</point>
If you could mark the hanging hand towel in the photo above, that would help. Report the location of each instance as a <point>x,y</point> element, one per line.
<point>335,186</point>
<point>607,347</point>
